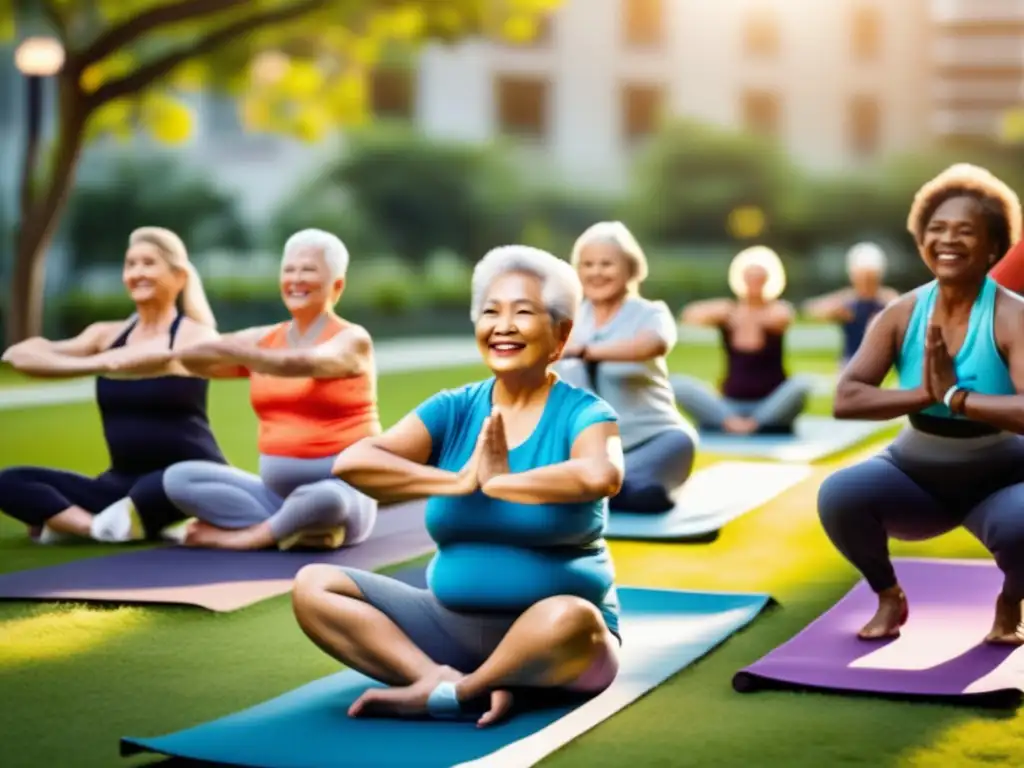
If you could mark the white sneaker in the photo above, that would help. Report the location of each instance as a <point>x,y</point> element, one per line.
<point>118,523</point>
<point>49,536</point>
<point>175,532</point>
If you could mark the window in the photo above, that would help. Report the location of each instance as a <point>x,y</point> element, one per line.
<point>762,113</point>
<point>761,35</point>
<point>866,34</point>
<point>864,125</point>
<point>642,23</point>
<point>393,93</point>
<point>641,109</point>
<point>522,105</point>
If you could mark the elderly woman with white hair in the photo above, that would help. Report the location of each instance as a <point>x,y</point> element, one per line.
<point>757,394</point>
<point>313,388</point>
<point>854,307</point>
<point>149,424</point>
<point>518,469</point>
<point>617,350</point>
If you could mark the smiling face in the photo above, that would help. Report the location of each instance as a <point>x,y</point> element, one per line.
<point>956,245</point>
<point>306,285</point>
<point>604,272</point>
<point>149,278</point>
<point>515,332</point>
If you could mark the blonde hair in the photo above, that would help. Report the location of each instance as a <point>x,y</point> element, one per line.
<point>758,256</point>
<point>193,297</point>
<point>1000,204</point>
<point>617,234</point>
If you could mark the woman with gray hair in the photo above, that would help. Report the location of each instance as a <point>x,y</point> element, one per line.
<point>617,350</point>
<point>313,388</point>
<point>518,469</point>
<point>149,424</point>
<point>855,306</point>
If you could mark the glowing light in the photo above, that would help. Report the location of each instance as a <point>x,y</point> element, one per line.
<point>746,222</point>
<point>39,56</point>
<point>758,256</point>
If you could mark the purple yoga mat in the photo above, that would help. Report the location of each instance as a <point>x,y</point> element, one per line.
<point>213,579</point>
<point>940,653</point>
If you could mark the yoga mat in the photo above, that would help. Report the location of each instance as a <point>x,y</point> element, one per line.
<point>663,632</point>
<point>813,438</point>
<point>939,655</point>
<point>218,580</point>
<point>710,499</point>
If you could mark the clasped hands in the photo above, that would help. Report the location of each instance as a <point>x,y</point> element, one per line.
<point>153,358</point>
<point>939,373</point>
<point>489,459</point>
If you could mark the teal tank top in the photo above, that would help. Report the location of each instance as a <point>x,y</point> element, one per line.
<point>979,365</point>
<point>500,556</point>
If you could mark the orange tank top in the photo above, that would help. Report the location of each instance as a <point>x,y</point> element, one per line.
<point>307,418</point>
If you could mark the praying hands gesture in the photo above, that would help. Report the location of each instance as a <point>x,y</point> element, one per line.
<point>939,370</point>
<point>489,459</point>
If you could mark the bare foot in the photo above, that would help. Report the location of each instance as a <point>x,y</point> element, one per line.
<point>739,425</point>
<point>402,701</point>
<point>1006,627</point>
<point>202,534</point>
<point>891,615</point>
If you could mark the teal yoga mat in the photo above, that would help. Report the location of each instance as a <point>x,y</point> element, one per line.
<point>710,499</point>
<point>813,438</point>
<point>663,632</point>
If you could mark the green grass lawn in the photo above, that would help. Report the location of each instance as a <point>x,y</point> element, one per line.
<point>73,679</point>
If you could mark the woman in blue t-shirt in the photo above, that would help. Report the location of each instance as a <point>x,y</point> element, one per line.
<point>518,469</point>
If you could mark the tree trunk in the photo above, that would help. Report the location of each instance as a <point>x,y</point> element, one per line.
<point>39,220</point>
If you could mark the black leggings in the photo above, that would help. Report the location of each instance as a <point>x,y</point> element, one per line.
<point>35,494</point>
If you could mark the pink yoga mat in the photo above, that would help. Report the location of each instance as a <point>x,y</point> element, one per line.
<point>213,579</point>
<point>940,654</point>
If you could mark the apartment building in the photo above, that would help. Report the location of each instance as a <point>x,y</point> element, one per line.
<point>837,83</point>
<point>978,65</point>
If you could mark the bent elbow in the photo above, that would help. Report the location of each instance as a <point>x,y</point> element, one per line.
<point>842,406</point>
<point>350,460</point>
<point>604,480</point>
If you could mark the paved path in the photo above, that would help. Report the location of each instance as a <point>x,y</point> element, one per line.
<point>407,355</point>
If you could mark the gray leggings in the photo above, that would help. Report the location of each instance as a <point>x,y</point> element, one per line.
<point>655,469</point>
<point>293,495</point>
<point>710,409</point>
<point>902,495</point>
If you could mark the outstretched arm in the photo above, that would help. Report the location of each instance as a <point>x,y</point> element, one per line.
<point>859,394</point>
<point>594,471</point>
<point>68,358</point>
<point>655,337</point>
<point>346,354</point>
<point>713,312</point>
<point>832,307</point>
<point>393,467</point>
<point>219,357</point>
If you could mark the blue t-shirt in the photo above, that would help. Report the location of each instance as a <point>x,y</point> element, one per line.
<point>501,556</point>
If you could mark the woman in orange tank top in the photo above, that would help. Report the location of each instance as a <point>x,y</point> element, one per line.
<point>314,391</point>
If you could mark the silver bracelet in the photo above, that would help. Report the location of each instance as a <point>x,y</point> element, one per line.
<point>947,399</point>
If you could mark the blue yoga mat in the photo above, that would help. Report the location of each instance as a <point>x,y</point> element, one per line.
<point>813,438</point>
<point>710,499</point>
<point>663,632</point>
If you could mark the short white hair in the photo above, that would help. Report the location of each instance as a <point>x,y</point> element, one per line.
<point>334,252</point>
<point>867,256</point>
<point>617,234</point>
<point>561,290</point>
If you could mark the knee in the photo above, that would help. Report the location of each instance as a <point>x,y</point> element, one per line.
<point>178,477</point>
<point>325,500</point>
<point>13,481</point>
<point>837,501</point>
<point>570,620</point>
<point>312,587</point>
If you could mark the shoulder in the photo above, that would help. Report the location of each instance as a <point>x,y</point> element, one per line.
<point>458,400</point>
<point>580,408</point>
<point>1009,308</point>
<point>649,308</point>
<point>105,331</point>
<point>192,332</point>
<point>352,336</point>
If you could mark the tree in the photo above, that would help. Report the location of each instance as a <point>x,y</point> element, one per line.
<point>296,66</point>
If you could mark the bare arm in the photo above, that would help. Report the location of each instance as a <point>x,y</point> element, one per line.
<point>346,354</point>
<point>155,358</point>
<point>831,307</point>
<point>593,471</point>
<point>779,317</point>
<point>645,346</point>
<point>713,312</point>
<point>859,394</point>
<point>1004,411</point>
<point>68,358</point>
<point>393,467</point>
<point>216,358</point>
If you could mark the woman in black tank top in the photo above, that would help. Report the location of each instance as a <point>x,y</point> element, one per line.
<point>149,423</point>
<point>757,395</point>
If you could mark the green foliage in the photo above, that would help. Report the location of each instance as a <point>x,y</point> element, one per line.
<point>155,191</point>
<point>423,195</point>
